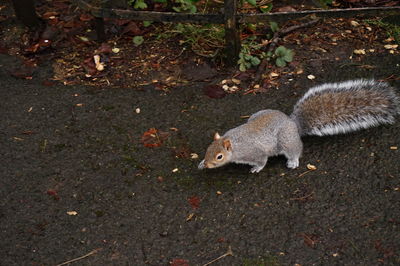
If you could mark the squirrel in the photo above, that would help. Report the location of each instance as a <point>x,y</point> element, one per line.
<point>327,109</point>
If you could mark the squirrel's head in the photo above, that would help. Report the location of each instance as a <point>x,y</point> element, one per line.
<point>218,153</point>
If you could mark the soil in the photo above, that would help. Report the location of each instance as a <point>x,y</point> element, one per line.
<point>109,170</point>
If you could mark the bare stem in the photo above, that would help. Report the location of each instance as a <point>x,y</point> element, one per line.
<point>82,257</point>
<point>228,253</point>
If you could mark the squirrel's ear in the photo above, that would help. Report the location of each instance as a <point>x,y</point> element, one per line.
<point>216,136</point>
<point>227,144</point>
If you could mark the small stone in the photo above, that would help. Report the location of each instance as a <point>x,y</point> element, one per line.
<point>311,167</point>
<point>359,51</point>
<point>354,23</point>
<point>236,81</point>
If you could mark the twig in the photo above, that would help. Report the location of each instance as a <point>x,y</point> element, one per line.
<point>304,197</point>
<point>306,172</point>
<point>82,257</point>
<point>228,253</point>
<point>274,41</point>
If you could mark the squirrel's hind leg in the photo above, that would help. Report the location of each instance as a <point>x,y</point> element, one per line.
<point>291,145</point>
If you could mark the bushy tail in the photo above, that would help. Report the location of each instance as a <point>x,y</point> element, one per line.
<point>335,108</point>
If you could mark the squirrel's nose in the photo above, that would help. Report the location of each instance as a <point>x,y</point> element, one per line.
<point>202,165</point>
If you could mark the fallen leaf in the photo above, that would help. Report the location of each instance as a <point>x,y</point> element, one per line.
<point>28,132</point>
<point>72,213</point>
<point>393,147</point>
<point>286,9</point>
<point>236,81</point>
<point>182,151</point>
<point>132,28</point>
<point>99,65</point>
<point>311,77</point>
<point>190,216</point>
<point>273,74</point>
<point>53,193</point>
<point>49,15</point>
<point>310,239</point>
<point>391,46</point>
<point>179,262</point>
<point>359,51</point>
<point>153,138</point>
<point>104,48</point>
<point>85,17</point>
<point>194,202</point>
<point>214,91</point>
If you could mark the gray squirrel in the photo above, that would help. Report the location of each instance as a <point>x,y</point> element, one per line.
<point>327,109</point>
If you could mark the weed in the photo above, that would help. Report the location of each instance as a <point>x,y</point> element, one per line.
<point>205,40</point>
<point>283,56</point>
<point>392,30</point>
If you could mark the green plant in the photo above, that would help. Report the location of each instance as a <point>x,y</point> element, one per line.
<point>205,40</point>
<point>138,4</point>
<point>392,30</point>
<point>266,8</point>
<point>324,3</point>
<point>138,40</point>
<point>147,23</point>
<point>185,6</point>
<point>283,56</point>
<point>248,56</point>
<point>274,26</point>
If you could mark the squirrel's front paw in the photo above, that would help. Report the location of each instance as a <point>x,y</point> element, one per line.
<point>256,169</point>
<point>293,163</point>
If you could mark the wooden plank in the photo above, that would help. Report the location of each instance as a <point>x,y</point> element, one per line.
<point>100,31</point>
<point>25,12</point>
<point>150,15</point>
<point>232,38</point>
<point>331,13</point>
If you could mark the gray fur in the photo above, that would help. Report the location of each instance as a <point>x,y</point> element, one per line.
<point>363,116</point>
<point>269,132</point>
<point>279,137</point>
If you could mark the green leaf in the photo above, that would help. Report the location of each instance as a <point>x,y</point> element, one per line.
<point>147,23</point>
<point>280,62</point>
<point>280,51</point>
<point>193,9</point>
<point>252,2</point>
<point>267,8</point>
<point>140,4</point>
<point>159,1</point>
<point>288,57</point>
<point>242,67</point>
<point>274,26</point>
<point>138,40</point>
<point>255,61</point>
<point>247,57</point>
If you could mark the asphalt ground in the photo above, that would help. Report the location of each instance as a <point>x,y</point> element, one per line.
<point>77,179</point>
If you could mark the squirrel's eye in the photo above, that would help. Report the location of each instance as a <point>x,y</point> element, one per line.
<point>219,157</point>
